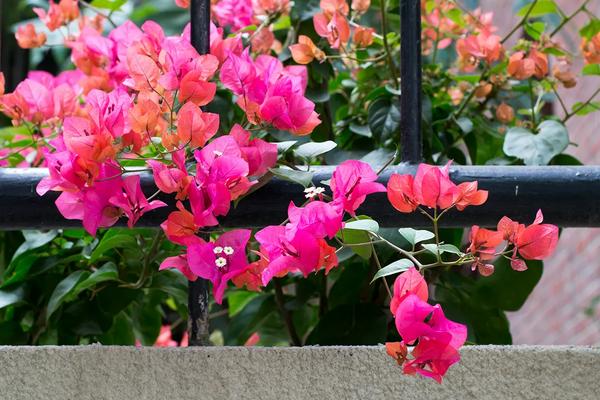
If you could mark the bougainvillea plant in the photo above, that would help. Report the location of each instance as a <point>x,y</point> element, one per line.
<point>283,87</point>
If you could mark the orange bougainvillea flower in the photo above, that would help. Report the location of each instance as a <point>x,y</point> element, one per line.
<point>69,10</point>
<point>505,113</point>
<point>183,3</point>
<point>2,83</point>
<point>53,19</point>
<point>483,248</point>
<point>305,51</point>
<point>562,72</point>
<point>523,66</point>
<point>28,38</point>
<point>195,89</point>
<point>400,193</point>
<point>334,6</point>
<point>334,28</point>
<point>194,126</point>
<point>363,36</point>
<point>591,49</point>
<point>475,48</point>
<point>398,351</point>
<point>361,6</point>
<point>262,41</point>
<point>470,196</point>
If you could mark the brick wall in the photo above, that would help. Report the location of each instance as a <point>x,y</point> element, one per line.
<point>554,313</point>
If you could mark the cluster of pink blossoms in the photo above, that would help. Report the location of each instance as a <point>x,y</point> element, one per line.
<point>299,246</point>
<point>436,338</point>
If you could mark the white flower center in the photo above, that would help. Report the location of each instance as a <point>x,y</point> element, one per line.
<point>217,153</point>
<point>228,250</point>
<point>218,250</point>
<point>220,262</point>
<point>313,191</point>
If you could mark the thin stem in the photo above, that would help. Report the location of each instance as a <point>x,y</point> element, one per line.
<point>386,45</point>
<point>532,101</point>
<point>560,100</point>
<point>378,263</point>
<point>97,11</point>
<point>581,107</point>
<point>569,18</point>
<point>523,20</point>
<point>437,234</point>
<point>286,314</point>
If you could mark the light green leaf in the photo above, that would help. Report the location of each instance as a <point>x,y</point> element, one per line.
<point>303,178</point>
<point>591,107</point>
<point>314,149</point>
<point>112,5</point>
<point>282,147</point>
<point>108,272</point>
<point>362,130</point>
<point>368,225</point>
<point>63,289</point>
<point>358,241</point>
<point>33,240</point>
<point>11,296</point>
<point>542,7</point>
<point>442,248</point>
<point>414,236</point>
<point>465,124</point>
<point>239,299</point>
<point>112,242</point>
<point>591,69</point>
<point>393,268</point>
<point>539,149</point>
<point>535,29</point>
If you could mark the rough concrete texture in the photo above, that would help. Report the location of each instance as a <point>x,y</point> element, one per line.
<point>486,372</point>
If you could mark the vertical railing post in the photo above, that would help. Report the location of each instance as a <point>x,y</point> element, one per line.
<point>410,71</point>
<point>198,323</point>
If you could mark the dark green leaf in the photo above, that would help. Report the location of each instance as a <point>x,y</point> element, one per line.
<point>538,149</point>
<point>64,289</point>
<point>350,324</point>
<point>393,268</point>
<point>303,178</point>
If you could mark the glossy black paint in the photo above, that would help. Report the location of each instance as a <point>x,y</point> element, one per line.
<point>567,195</point>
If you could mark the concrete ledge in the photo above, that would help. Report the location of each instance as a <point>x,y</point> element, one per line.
<point>97,372</point>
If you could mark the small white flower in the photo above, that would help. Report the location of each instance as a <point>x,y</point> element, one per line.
<point>228,250</point>
<point>217,153</point>
<point>313,191</point>
<point>218,250</point>
<point>220,262</point>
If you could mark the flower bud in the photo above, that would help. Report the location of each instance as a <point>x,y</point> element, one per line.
<point>505,113</point>
<point>363,36</point>
<point>591,49</point>
<point>361,6</point>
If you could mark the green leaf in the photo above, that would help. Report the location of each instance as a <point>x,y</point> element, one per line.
<point>362,130</point>
<point>120,333</point>
<point>368,225</point>
<point>539,149</point>
<point>591,29</point>
<point>393,268</point>
<point>442,248</point>
<point>62,291</point>
<point>108,272</point>
<point>535,29</point>
<point>589,108</point>
<point>11,297</point>
<point>506,288</point>
<point>314,149</point>
<point>282,147</point>
<point>239,299</point>
<point>542,7</point>
<point>112,5</point>
<point>350,324</point>
<point>34,240</point>
<point>591,69</point>
<point>112,242</point>
<point>465,124</point>
<point>352,238</point>
<point>414,236</point>
<point>347,288</point>
<point>384,118</point>
<point>303,178</point>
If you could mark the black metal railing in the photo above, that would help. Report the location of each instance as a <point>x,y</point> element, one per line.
<point>568,195</point>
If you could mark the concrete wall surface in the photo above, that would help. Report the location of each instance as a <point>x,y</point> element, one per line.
<point>485,372</point>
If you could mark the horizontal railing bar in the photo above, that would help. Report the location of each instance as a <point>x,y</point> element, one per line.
<point>568,195</point>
